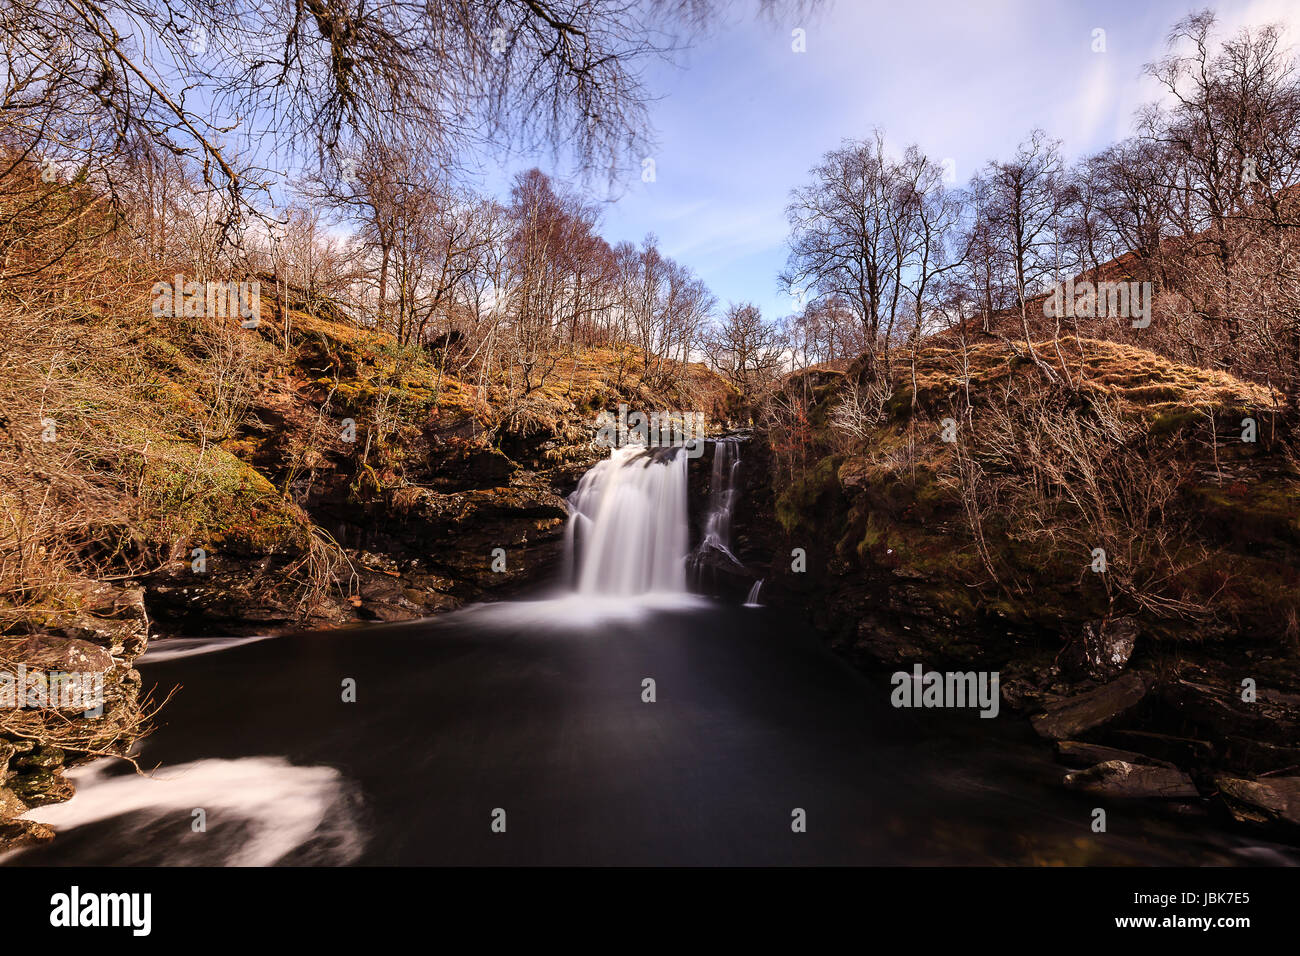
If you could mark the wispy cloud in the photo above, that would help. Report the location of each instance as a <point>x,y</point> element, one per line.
<point>744,117</point>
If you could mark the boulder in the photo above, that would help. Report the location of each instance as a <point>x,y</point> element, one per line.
<point>1103,649</point>
<point>1268,800</point>
<point>1069,717</point>
<point>1119,778</point>
<point>38,788</point>
<point>110,617</point>
<point>1211,701</point>
<point>43,757</point>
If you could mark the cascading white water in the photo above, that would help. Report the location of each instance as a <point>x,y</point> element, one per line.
<point>752,600</point>
<point>628,532</point>
<point>722,499</point>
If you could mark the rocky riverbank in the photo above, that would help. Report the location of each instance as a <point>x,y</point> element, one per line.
<point>1199,706</point>
<point>98,640</point>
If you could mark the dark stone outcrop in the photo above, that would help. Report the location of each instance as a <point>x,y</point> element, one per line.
<point>1269,802</point>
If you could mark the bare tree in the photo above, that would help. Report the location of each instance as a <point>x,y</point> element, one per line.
<point>1022,200</point>
<point>848,238</point>
<point>746,351</point>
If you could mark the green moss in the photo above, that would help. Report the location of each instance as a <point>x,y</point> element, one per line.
<point>1262,516</point>
<point>1166,422</point>
<point>216,496</point>
<point>813,497</point>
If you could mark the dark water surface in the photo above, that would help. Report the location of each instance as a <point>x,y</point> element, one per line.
<point>536,709</point>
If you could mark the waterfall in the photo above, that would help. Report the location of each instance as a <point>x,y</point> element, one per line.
<point>752,600</point>
<point>714,553</point>
<point>722,499</point>
<point>628,531</point>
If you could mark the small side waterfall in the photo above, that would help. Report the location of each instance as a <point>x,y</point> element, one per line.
<point>752,600</point>
<point>628,532</point>
<point>722,499</point>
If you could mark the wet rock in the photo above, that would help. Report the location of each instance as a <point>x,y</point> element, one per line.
<point>110,617</point>
<point>430,600</point>
<point>20,833</point>
<point>42,787</point>
<point>1029,680</point>
<point>885,643</point>
<point>239,597</point>
<point>1072,716</point>
<point>1119,778</point>
<point>10,805</point>
<point>1076,753</point>
<point>1266,801</point>
<point>1210,700</point>
<point>1103,648</point>
<point>43,757</point>
<point>392,614</point>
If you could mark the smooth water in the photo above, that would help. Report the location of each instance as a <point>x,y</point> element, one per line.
<point>539,711</point>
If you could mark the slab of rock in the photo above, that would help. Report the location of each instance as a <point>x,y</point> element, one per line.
<point>1119,778</point>
<point>1210,700</point>
<point>1071,716</point>
<point>1268,800</point>
<point>1076,753</point>
<point>1186,751</point>
<point>46,652</point>
<point>110,617</point>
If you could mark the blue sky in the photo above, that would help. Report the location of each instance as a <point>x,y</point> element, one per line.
<point>741,117</point>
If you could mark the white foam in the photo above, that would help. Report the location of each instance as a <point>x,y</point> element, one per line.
<point>282,805</point>
<point>173,648</point>
<point>578,611</point>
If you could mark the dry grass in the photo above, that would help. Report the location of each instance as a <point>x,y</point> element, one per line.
<point>1041,475</point>
<point>1140,380</point>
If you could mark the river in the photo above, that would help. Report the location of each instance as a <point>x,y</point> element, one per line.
<point>525,732</point>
